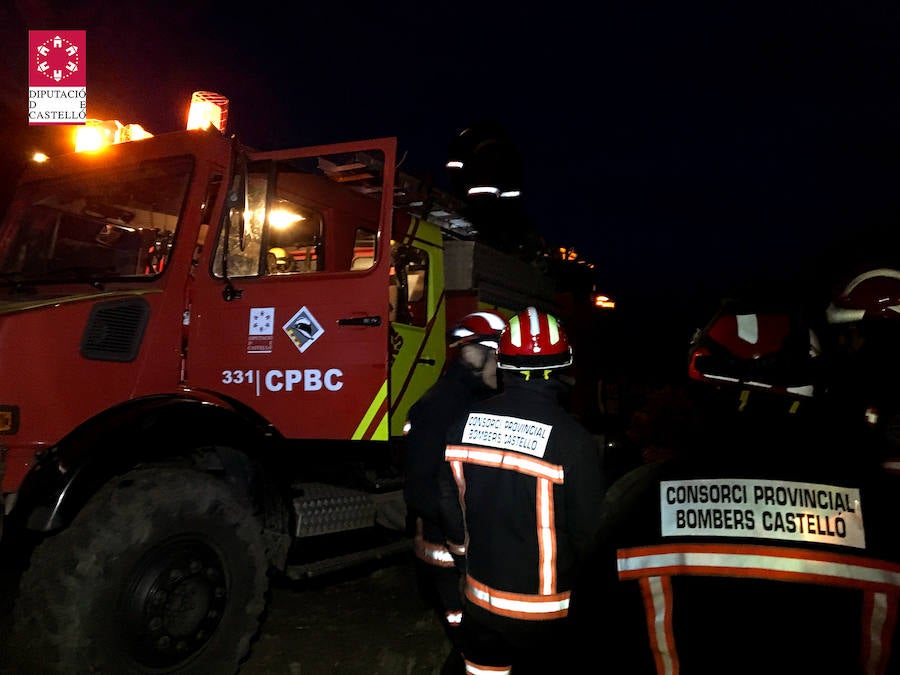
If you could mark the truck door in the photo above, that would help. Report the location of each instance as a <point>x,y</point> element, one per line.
<point>418,326</point>
<point>289,312</point>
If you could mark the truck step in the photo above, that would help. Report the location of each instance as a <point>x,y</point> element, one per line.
<point>323,509</point>
<point>341,562</point>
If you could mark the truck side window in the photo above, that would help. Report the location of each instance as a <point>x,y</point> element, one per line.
<point>409,286</point>
<point>296,216</point>
<point>293,232</point>
<point>245,214</point>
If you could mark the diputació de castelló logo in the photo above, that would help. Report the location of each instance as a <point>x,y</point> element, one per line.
<point>57,77</point>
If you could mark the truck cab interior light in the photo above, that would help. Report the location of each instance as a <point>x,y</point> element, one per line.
<point>208,109</point>
<point>281,219</point>
<point>455,164</point>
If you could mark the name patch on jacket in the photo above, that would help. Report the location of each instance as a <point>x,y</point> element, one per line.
<point>769,509</point>
<point>507,433</point>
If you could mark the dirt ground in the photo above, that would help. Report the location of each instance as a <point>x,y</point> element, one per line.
<point>368,621</point>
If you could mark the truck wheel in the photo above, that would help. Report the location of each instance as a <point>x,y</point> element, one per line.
<point>163,571</point>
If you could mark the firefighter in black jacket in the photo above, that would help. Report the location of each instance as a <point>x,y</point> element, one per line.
<point>768,545</point>
<point>520,495</point>
<point>470,376</point>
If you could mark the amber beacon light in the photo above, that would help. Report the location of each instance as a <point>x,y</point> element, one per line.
<point>208,109</point>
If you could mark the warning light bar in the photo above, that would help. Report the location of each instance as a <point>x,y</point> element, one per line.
<point>97,134</point>
<point>207,109</point>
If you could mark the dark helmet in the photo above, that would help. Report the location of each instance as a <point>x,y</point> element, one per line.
<point>481,328</point>
<point>874,294</point>
<point>863,317</point>
<point>533,340</point>
<point>752,347</point>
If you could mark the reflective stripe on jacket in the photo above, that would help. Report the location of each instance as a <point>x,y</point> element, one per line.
<point>430,552</point>
<point>522,492</point>
<point>654,567</point>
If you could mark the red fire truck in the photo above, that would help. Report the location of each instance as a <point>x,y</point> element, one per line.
<point>208,356</point>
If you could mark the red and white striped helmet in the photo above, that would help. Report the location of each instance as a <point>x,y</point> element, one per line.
<point>533,340</point>
<point>481,328</point>
<point>757,346</point>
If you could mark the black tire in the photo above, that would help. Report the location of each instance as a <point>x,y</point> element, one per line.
<point>164,571</point>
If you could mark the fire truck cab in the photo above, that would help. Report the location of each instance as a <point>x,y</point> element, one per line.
<point>208,356</point>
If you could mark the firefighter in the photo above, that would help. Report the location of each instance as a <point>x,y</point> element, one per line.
<point>470,376</point>
<point>520,496</point>
<point>768,543</point>
<point>278,261</point>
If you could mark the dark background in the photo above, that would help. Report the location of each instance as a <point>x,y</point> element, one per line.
<point>685,149</point>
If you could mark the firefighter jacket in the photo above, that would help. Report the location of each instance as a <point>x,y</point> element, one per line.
<point>521,495</point>
<point>428,421</point>
<point>760,552</point>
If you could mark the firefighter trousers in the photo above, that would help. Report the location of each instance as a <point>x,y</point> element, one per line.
<point>500,645</point>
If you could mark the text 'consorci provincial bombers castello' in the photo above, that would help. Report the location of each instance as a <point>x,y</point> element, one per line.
<point>762,508</point>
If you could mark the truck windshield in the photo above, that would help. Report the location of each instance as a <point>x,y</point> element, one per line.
<point>101,225</point>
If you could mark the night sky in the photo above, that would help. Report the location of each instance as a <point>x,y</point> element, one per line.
<point>684,148</point>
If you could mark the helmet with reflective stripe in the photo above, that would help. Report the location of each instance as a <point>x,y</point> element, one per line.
<point>757,346</point>
<point>481,328</point>
<point>874,294</point>
<point>533,340</point>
